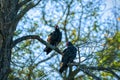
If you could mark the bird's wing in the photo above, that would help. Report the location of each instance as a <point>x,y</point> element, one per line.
<point>60,37</point>
<point>50,37</point>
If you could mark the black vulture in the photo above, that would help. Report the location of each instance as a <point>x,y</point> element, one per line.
<point>69,54</point>
<point>54,39</point>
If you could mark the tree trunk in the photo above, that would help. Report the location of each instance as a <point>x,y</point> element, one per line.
<point>70,75</point>
<point>8,13</point>
<point>5,58</point>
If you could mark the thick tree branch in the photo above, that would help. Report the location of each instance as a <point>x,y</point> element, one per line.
<point>23,3</point>
<point>25,10</point>
<point>90,74</point>
<point>37,38</point>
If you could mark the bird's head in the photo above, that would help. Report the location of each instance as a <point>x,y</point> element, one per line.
<point>69,44</point>
<point>56,27</point>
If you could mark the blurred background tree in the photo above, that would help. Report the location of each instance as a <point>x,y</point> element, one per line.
<point>93,26</point>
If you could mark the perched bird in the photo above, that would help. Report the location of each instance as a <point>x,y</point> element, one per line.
<point>54,39</point>
<point>69,54</point>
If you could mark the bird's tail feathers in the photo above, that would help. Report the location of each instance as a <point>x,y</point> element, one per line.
<point>47,50</point>
<point>62,67</point>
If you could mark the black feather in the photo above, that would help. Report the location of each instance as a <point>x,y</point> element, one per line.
<point>68,56</point>
<point>54,39</point>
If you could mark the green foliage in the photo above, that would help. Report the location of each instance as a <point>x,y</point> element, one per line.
<point>34,28</point>
<point>95,26</point>
<point>16,33</point>
<point>11,77</point>
<point>110,56</point>
<point>104,74</point>
<point>74,36</point>
<point>25,44</point>
<point>41,73</point>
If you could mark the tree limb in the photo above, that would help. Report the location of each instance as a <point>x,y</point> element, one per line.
<point>108,69</point>
<point>15,42</point>
<point>90,74</point>
<point>45,59</point>
<point>65,21</point>
<point>23,3</point>
<point>112,72</point>
<point>25,10</point>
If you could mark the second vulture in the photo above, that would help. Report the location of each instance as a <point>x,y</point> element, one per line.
<point>69,54</point>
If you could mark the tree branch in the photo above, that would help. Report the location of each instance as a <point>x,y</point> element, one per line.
<point>65,21</point>
<point>45,59</point>
<point>112,72</point>
<point>90,74</point>
<point>26,9</point>
<point>15,42</point>
<point>108,69</point>
<point>23,3</point>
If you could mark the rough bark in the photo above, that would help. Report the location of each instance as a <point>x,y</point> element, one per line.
<point>8,12</point>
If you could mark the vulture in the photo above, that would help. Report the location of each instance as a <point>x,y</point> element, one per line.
<point>54,39</point>
<point>69,54</point>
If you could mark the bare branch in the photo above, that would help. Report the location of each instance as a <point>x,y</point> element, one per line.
<point>37,38</point>
<point>65,23</point>
<point>45,59</point>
